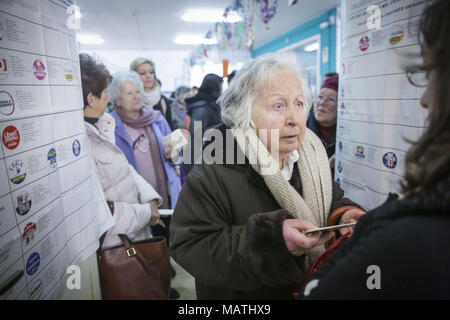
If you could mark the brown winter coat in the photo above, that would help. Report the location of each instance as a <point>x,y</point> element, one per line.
<point>226,231</point>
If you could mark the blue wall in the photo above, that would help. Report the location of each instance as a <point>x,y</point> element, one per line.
<point>304,31</point>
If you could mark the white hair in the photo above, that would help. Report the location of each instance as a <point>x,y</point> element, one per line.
<point>119,79</point>
<point>236,102</point>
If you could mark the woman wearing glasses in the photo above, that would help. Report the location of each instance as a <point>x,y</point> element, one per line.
<point>322,121</point>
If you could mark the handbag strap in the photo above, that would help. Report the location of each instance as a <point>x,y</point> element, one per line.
<point>125,240</point>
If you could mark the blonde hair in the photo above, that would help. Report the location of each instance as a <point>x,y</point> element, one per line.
<point>138,61</point>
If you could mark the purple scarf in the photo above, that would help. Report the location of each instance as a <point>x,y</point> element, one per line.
<point>148,116</point>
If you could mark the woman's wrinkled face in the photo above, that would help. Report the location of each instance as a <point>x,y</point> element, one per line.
<point>326,107</point>
<point>130,98</point>
<point>147,75</point>
<point>279,108</point>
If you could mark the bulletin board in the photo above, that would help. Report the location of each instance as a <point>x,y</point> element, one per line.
<point>52,210</point>
<point>378,108</point>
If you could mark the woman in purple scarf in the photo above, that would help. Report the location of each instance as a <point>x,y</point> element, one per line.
<point>139,132</point>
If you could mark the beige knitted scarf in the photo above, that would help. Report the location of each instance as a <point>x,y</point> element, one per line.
<point>314,203</point>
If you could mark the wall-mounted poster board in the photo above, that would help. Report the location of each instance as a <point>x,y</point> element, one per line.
<point>378,108</point>
<point>52,210</point>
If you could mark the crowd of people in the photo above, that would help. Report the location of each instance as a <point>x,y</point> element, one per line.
<point>238,223</point>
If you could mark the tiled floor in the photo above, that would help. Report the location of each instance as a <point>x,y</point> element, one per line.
<point>183,283</point>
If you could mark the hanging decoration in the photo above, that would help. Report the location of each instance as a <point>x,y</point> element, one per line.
<point>267,13</point>
<point>234,35</point>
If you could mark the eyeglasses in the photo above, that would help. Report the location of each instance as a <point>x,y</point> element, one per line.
<point>326,100</point>
<point>417,77</point>
<point>142,143</point>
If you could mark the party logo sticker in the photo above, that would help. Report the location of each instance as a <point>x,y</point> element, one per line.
<point>396,35</point>
<point>11,137</point>
<point>33,263</point>
<point>28,233</point>
<point>18,171</point>
<point>39,69</point>
<point>68,72</point>
<point>360,152</point>
<point>76,148</point>
<point>36,289</point>
<point>364,43</point>
<point>23,203</point>
<point>340,167</point>
<point>3,68</point>
<point>2,30</point>
<point>341,146</point>
<point>51,157</point>
<point>7,105</point>
<point>390,160</point>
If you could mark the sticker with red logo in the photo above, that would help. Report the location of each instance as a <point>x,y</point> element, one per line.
<point>11,137</point>
<point>39,69</point>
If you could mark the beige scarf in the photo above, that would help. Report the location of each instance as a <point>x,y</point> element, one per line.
<point>151,98</point>
<point>314,204</point>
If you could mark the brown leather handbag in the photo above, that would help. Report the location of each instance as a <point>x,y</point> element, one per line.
<point>134,270</point>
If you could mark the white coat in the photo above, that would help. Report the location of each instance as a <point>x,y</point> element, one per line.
<point>121,184</point>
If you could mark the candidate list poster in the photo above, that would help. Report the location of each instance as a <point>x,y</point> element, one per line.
<point>52,210</point>
<point>378,108</point>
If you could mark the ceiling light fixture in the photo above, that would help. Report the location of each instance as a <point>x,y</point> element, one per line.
<point>312,47</point>
<point>194,39</point>
<point>210,15</point>
<point>89,39</point>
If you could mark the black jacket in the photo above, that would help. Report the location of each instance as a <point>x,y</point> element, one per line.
<point>168,114</point>
<point>200,107</point>
<point>312,124</point>
<point>203,107</point>
<point>408,239</point>
<point>226,231</point>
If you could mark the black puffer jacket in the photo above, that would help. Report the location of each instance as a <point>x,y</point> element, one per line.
<point>406,240</point>
<point>201,107</point>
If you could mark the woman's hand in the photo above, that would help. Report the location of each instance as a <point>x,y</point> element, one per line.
<point>154,219</point>
<point>350,216</point>
<point>296,242</point>
<point>332,160</point>
<point>170,153</point>
<point>178,171</point>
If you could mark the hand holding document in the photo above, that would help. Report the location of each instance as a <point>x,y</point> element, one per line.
<point>330,228</point>
<point>176,139</point>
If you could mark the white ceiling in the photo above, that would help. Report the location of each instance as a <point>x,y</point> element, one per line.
<point>153,24</point>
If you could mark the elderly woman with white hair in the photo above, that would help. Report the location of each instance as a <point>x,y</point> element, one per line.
<point>237,227</point>
<point>139,132</point>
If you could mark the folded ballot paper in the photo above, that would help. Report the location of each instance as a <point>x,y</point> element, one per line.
<point>176,139</point>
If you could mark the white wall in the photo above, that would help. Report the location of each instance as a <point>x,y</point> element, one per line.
<point>171,67</point>
<point>169,63</point>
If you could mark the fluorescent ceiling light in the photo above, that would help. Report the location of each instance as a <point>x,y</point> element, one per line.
<point>210,15</point>
<point>89,39</point>
<point>194,39</point>
<point>312,47</point>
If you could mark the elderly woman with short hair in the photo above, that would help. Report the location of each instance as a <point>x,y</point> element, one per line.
<point>237,227</point>
<point>139,132</point>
